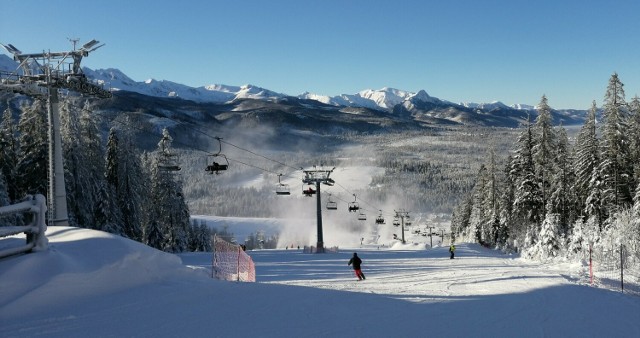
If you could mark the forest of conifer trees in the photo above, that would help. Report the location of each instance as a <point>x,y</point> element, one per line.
<point>111,187</point>
<point>557,198</point>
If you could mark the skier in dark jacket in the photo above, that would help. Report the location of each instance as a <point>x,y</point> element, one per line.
<point>356,261</point>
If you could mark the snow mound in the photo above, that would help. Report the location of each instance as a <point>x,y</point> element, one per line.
<point>81,263</point>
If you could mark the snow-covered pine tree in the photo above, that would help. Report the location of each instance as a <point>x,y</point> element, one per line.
<point>492,203</point>
<point>72,154</point>
<point>562,199</point>
<point>578,239</point>
<point>479,213</point>
<point>544,149</point>
<point>33,153</point>
<point>506,208</point>
<point>204,236</point>
<point>461,218</point>
<point>111,172</point>
<point>4,201</point>
<point>548,244</point>
<point>586,156</point>
<point>635,223</point>
<point>9,152</point>
<point>615,166</point>
<point>124,174</point>
<point>169,207</point>
<point>595,209</point>
<point>634,137</point>
<point>528,202</point>
<point>106,214</point>
<point>193,235</point>
<point>84,161</point>
<point>154,236</point>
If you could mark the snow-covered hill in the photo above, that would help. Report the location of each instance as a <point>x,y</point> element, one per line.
<point>419,107</point>
<point>116,80</point>
<point>385,98</point>
<point>92,284</point>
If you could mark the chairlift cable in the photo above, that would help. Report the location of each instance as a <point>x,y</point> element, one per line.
<point>189,146</point>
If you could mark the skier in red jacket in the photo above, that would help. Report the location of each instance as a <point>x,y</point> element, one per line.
<point>356,261</point>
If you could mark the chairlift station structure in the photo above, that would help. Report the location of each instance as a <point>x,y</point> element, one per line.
<point>42,75</point>
<point>316,177</point>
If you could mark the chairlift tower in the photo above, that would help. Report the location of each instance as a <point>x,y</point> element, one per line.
<point>402,214</point>
<point>42,75</point>
<point>317,176</point>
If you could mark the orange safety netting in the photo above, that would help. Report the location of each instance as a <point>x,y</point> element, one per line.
<point>231,263</point>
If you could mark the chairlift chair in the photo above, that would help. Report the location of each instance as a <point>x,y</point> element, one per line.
<point>331,205</point>
<point>282,189</point>
<point>380,219</point>
<point>309,191</point>
<point>362,217</point>
<point>353,206</point>
<point>169,167</point>
<point>396,222</point>
<point>167,162</point>
<point>215,167</point>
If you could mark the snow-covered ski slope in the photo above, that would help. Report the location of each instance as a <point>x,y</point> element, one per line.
<point>93,284</point>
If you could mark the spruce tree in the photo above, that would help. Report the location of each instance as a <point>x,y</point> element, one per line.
<point>634,137</point>
<point>169,207</point>
<point>84,161</point>
<point>549,244</point>
<point>587,155</point>
<point>32,167</point>
<point>615,166</point>
<point>544,149</point>
<point>528,202</point>
<point>4,201</point>
<point>507,224</point>
<point>479,212</point>
<point>562,199</point>
<point>9,152</point>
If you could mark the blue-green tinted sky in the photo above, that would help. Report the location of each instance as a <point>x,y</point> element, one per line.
<point>513,51</point>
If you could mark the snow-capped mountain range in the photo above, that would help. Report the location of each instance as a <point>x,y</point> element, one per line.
<point>381,99</point>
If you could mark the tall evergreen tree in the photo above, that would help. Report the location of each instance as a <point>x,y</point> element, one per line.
<point>544,149</point>
<point>528,202</point>
<point>549,244</point>
<point>169,207</point>
<point>507,197</point>
<point>562,199</point>
<point>124,173</point>
<point>634,137</point>
<point>615,165</point>
<point>9,152</point>
<point>478,211</point>
<point>33,155</point>
<point>130,198</point>
<point>587,155</point>
<point>4,201</point>
<point>83,153</point>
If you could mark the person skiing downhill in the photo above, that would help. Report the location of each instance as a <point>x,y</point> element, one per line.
<point>452,250</point>
<point>356,261</point>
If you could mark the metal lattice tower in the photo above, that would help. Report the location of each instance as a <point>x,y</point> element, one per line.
<point>42,75</point>
<point>402,214</point>
<point>317,176</point>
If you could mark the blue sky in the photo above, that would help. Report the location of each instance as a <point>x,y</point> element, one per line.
<point>513,51</point>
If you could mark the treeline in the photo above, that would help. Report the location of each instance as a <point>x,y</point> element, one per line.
<point>111,186</point>
<point>553,197</point>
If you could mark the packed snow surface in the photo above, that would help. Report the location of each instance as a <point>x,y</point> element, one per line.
<point>93,284</point>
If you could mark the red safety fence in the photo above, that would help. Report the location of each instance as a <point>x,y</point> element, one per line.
<point>231,263</point>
